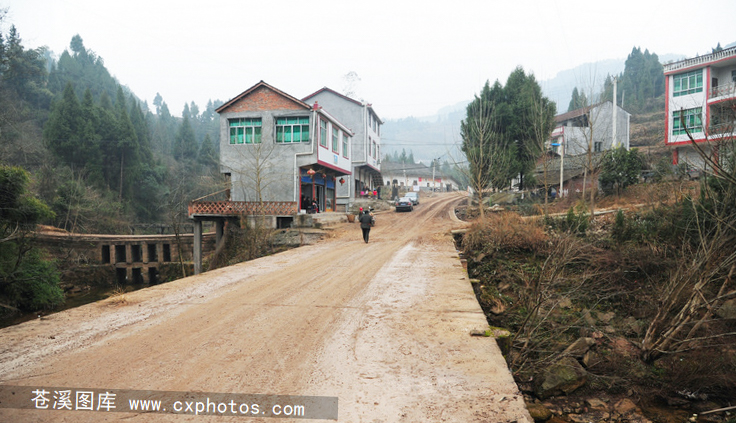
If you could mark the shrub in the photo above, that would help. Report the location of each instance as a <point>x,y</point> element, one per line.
<point>507,231</point>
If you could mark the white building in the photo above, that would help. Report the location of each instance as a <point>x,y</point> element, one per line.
<point>701,96</point>
<point>572,134</point>
<point>362,119</point>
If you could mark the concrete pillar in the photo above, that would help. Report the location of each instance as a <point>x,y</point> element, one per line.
<point>219,231</point>
<point>197,253</point>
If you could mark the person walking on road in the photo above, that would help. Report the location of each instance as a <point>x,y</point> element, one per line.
<point>366,221</point>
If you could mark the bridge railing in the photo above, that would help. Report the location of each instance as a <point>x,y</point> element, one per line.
<point>237,208</point>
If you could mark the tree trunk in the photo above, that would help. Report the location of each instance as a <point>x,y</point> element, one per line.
<point>122,161</point>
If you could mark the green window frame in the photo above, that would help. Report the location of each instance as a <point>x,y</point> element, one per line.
<point>688,83</point>
<point>245,131</point>
<point>292,129</point>
<point>345,145</point>
<point>323,133</point>
<point>693,121</point>
<point>335,143</point>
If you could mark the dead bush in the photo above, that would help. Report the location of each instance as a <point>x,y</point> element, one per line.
<point>505,231</point>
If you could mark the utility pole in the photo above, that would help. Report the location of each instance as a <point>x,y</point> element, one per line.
<point>614,141</point>
<point>562,167</point>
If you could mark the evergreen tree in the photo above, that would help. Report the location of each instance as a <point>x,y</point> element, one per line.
<point>66,128</point>
<point>157,102</point>
<point>162,139</point>
<point>607,94</point>
<point>140,126</point>
<point>185,146</point>
<point>24,72</point>
<point>522,95</point>
<point>642,80</point>
<point>207,155</point>
<point>578,100</point>
<point>93,157</point>
<point>620,169</point>
<point>84,69</point>
<point>126,147</point>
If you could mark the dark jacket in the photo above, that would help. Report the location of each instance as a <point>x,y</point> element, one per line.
<point>365,220</point>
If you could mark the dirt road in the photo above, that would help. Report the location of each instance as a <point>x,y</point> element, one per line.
<point>383,326</point>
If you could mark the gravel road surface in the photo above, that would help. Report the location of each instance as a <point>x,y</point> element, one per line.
<point>384,327</point>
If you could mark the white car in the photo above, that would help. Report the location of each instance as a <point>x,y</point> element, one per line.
<point>413,196</point>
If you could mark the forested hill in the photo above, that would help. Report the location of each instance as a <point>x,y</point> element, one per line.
<point>99,157</point>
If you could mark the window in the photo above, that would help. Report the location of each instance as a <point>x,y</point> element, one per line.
<point>245,131</point>
<point>323,133</point>
<point>693,121</point>
<point>733,76</point>
<point>335,143</point>
<point>597,147</point>
<point>345,145</point>
<point>688,83</point>
<point>292,129</point>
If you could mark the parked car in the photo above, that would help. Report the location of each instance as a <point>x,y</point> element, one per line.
<point>404,204</point>
<point>413,196</point>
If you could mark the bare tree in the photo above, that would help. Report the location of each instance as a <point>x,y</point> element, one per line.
<point>541,119</point>
<point>705,278</point>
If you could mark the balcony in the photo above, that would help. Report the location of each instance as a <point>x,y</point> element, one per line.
<point>722,92</point>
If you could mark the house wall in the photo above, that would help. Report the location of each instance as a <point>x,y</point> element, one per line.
<point>355,117</point>
<point>601,117</point>
<point>337,159</point>
<point>724,75</point>
<point>685,102</point>
<point>687,155</point>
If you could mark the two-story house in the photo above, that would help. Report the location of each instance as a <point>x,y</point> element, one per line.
<point>572,133</point>
<point>276,148</point>
<point>700,97</point>
<point>362,119</point>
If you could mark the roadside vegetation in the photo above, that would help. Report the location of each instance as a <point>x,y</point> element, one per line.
<point>622,293</point>
<point>643,299</point>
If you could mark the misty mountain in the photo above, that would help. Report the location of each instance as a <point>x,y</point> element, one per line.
<point>438,136</point>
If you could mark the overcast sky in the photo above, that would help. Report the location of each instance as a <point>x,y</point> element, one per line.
<point>412,57</point>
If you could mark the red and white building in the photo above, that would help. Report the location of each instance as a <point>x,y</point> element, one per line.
<point>701,97</point>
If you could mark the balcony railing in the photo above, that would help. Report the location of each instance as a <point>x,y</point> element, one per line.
<point>706,58</point>
<point>722,129</point>
<point>238,208</point>
<point>727,90</point>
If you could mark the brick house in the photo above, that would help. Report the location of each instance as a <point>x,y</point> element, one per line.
<point>363,120</point>
<point>700,96</point>
<point>276,148</point>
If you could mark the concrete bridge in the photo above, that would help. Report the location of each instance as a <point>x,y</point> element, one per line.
<point>126,259</point>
